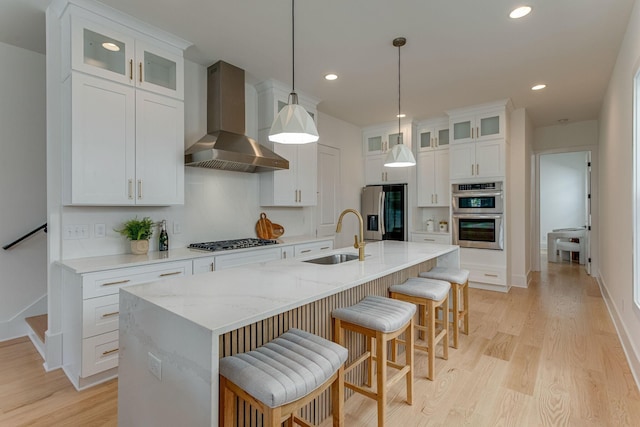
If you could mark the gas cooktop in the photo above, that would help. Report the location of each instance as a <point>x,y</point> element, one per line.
<point>225,245</point>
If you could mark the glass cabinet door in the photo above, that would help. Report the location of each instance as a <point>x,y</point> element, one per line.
<point>374,144</point>
<point>490,126</point>
<point>443,137</point>
<point>426,140</point>
<point>100,51</point>
<point>159,71</point>
<point>394,139</point>
<point>462,130</point>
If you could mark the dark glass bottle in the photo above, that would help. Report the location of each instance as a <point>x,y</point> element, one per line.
<point>163,241</point>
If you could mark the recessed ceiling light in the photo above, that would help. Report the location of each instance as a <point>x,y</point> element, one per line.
<point>111,46</point>
<point>539,87</point>
<point>401,115</point>
<point>331,76</point>
<point>563,121</point>
<point>519,12</point>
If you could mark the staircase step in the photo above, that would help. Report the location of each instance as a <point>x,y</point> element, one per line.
<point>39,325</point>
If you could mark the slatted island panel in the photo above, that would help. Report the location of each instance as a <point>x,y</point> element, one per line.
<point>315,318</point>
<point>186,324</point>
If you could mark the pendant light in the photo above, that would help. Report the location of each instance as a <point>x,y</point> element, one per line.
<point>293,125</point>
<point>400,155</point>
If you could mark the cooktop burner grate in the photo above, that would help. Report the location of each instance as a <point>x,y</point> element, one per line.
<point>224,245</point>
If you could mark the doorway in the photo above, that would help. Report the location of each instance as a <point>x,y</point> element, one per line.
<point>563,202</point>
<point>328,207</point>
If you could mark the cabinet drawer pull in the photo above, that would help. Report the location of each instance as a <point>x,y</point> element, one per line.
<point>114,313</point>
<point>324,248</point>
<point>108,352</point>
<point>131,69</point>
<point>120,282</point>
<point>490,275</point>
<point>174,273</point>
<point>305,251</point>
<point>429,240</point>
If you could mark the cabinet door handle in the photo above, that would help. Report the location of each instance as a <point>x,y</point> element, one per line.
<point>305,251</point>
<point>212,268</point>
<point>139,189</point>
<point>478,132</point>
<point>472,169</point>
<point>120,282</point>
<point>435,141</point>
<point>436,198</point>
<point>170,274</point>
<point>382,176</point>
<point>140,77</point>
<point>284,255</point>
<point>108,352</point>
<point>477,169</point>
<point>131,69</point>
<point>490,275</point>
<point>471,133</point>
<point>300,197</point>
<point>114,313</point>
<point>130,189</point>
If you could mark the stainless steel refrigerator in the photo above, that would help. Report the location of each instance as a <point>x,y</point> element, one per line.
<point>384,210</point>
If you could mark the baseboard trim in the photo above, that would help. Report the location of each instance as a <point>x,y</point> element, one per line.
<point>633,359</point>
<point>17,327</point>
<point>522,281</point>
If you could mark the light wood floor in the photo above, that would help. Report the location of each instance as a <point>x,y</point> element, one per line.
<point>543,356</point>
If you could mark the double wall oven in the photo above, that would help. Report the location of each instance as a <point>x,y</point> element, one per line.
<point>478,215</point>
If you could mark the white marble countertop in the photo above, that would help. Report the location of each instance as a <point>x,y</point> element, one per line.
<point>110,262</point>
<point>222,301</point>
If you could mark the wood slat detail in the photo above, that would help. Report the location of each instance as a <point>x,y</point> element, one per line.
<point>315,318</point>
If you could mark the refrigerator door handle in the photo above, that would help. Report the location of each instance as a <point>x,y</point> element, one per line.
<point>382,203</point>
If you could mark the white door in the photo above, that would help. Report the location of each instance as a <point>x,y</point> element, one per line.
<point>328,207</point>
<point>307,174</point>
<point>441,175</point>
<point>426,175</point>
<point>490,159</point>
<point>462,160</point>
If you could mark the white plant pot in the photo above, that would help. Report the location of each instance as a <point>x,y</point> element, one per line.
<point>139,247</point>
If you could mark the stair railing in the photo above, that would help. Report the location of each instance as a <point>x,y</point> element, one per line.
<point>12,244</point>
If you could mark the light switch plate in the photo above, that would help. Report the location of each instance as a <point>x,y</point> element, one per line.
<point>155,365</point>
<point>99,230</point>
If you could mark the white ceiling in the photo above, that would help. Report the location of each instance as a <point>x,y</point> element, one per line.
<point>458,52</point>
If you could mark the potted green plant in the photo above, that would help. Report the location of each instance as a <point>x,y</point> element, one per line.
<point>139,231</point>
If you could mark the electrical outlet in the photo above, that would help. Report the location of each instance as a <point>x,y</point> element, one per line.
<point>99,230</point>
<point>74,232</point>
<point>155,365</point>
<point>82,232</point>
<point>177,227</point>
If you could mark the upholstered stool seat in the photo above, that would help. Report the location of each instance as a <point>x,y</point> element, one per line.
<point>282,376</point>
<point>428,295</point>
<point>381,320</point>
<point>459,280</point>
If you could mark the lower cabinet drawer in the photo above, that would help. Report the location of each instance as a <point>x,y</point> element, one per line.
<point>312,248</point>
<point>441,239</point>
<point>99,353</point>
<point>100,315</point>
<point>494,276</point>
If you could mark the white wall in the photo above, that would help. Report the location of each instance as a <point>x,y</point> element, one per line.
<point>578,134</point>
<point>519,202</point>
<point>562,192</point>
<point>616,192</point>
<point>22,184</point>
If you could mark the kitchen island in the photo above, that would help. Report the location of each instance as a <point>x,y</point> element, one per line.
<point>172,333</point>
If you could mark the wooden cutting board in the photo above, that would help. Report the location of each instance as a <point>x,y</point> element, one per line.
<point>264,227</point>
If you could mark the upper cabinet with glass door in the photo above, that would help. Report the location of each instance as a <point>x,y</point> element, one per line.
<point>478,124</point>
<point>105,49</point>
<point>380,139</point>
<point>433,134</point>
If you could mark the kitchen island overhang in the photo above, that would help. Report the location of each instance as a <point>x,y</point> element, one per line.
<point>188,323</point>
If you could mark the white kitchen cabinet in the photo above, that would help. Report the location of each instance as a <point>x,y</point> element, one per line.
<point>478,159</point>
<point>298,185</point>
<point>125,147</point>
<point>204,265</point>
<point>122,113</point>
<point>433,134</point>
<point>377,141</point>
<point>312,248</point>
<point>381,140</point>
<point>377,173</point>
<point>249,257</point>
<point>477,127</point>
<point>102,47</point>
<point>424,237</point>
<point>90,322</point>
<point>433,178</point>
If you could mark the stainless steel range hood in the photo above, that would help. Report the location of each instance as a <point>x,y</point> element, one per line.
<point>225,146</point>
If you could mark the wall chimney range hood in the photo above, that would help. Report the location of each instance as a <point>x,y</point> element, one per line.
<point>225,146</point>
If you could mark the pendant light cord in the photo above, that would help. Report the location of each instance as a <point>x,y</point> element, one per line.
<point>293,48</point>
<point>398,91</point>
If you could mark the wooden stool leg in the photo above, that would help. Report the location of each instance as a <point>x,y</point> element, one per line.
<point>227,408</point>
<point>337,399</point>
<point>409,361</point>
<point>423,319</point>
<point>445,326</point>
<point>431,337</point>
<point>272,417</point>
<point>381,380</point>
<point>456,313</point>
<point>370,349</point>
<point>465,294</point>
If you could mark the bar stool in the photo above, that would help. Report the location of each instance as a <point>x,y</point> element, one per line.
<point>282,376</point>
<point>380,319</point>
<point>459,280</point>
<point>428,295</point>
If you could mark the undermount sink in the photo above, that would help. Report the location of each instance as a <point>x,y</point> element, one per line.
<point>333,259</point>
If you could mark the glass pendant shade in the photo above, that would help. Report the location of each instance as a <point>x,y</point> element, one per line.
<point>400,156</point>
<point>293,125</point>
